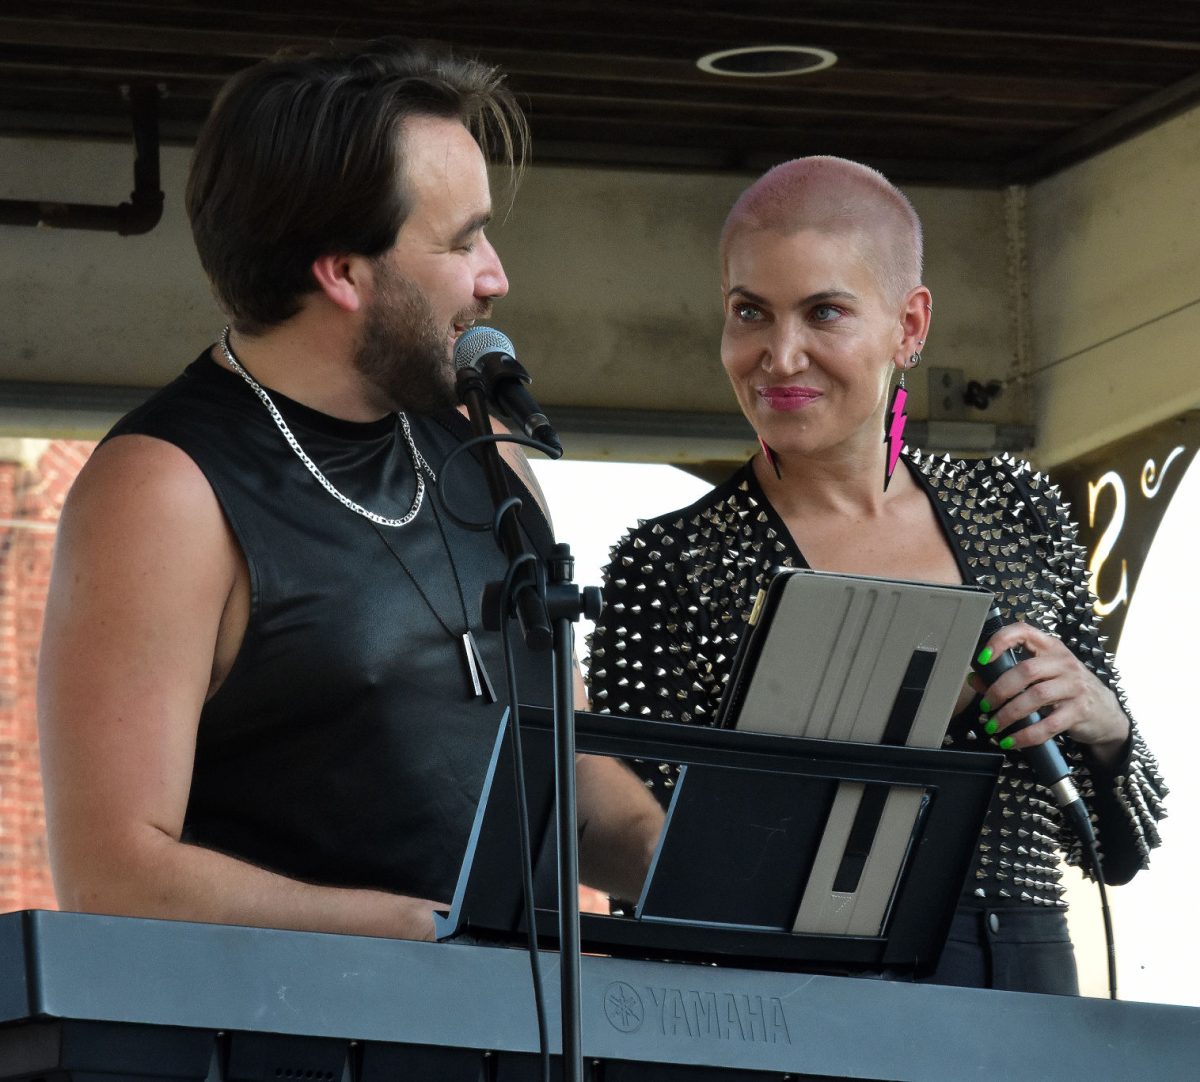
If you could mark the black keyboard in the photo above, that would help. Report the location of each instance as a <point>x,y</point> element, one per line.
<point>90,998</point>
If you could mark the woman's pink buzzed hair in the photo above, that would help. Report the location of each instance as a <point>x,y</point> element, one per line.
<point>834,195</point>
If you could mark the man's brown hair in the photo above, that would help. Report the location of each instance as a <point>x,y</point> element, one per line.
<point>301,157</point>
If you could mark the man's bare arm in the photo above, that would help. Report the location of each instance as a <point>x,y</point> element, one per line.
<point>619,820</point>
<point>517,458</point>
<point>141,620</point>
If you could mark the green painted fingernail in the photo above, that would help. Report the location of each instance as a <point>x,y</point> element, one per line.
<point>1006,743</point>
<point>985,706</point>
<point>985,655</point>
<point>991,727</point>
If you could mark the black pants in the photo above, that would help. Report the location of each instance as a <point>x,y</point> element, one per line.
<point>1016,950</point>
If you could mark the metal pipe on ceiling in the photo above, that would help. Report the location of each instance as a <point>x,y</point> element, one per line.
<point>144,209</point>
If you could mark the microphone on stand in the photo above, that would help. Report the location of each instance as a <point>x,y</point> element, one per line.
<point>1046,760</point>
<point>490,353</point>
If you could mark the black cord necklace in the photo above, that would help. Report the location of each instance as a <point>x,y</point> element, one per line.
<point>481,683</point>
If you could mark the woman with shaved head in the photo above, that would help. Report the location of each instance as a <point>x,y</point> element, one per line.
<point>825,309</point>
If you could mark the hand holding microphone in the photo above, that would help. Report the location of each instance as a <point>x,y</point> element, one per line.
<point>1046,759</point>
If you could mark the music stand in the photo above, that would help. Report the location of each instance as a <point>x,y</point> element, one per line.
<point>955,786</point>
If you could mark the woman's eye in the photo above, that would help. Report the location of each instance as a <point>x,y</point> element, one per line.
<point>746,313</point>
<point>825,313</point>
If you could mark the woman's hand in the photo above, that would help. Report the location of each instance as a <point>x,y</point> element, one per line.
<point>1054,682</point>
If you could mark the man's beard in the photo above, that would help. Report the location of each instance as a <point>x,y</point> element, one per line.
<point>402,352</point>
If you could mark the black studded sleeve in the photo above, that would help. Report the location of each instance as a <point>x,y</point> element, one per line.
<point>634,663</point>
<point>1126,800</point>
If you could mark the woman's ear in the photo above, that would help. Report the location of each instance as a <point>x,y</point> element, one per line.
<point>916,314</point>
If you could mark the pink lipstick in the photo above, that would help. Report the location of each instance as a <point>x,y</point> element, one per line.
<point>788,398</point>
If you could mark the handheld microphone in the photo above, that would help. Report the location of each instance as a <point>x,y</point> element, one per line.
<point>491,355</point>
<point>1046,760</point>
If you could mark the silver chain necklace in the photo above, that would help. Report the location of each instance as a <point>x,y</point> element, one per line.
<point>418,459</point>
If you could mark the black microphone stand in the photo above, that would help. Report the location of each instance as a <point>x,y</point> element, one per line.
<point>547,617</point>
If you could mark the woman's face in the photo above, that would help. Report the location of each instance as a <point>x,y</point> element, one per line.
<point>809,339</point>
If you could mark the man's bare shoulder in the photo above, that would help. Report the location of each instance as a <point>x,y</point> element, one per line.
<point>144,552</point>
<point>142,493</point>
<point>135,468</point>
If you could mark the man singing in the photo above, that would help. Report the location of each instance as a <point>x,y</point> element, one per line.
<point>256,698</point>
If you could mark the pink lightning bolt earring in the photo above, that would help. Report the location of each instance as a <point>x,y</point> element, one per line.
<point>895,420</point>
<point>769,454</point>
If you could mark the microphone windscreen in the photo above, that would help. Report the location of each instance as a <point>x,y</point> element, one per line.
<point>477,343</point>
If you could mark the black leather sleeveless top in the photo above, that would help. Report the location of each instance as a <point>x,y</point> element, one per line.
<point>345,746</point>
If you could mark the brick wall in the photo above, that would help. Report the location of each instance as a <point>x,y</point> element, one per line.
<point>34,478</point>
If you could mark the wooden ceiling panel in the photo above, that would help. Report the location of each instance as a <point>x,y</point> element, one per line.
<point>940,91</point>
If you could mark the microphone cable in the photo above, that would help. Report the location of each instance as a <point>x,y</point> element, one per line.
<point>1110,945</point>
<point>514,729</point>
<point>512,505</point>
<point>1077,819</point>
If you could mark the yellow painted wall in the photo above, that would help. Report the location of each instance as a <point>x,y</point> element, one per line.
<point>614,285</point>
<point>1114,285</point>
<point>614,296</point>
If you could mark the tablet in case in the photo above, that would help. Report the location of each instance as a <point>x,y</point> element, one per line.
<point>856,658</point>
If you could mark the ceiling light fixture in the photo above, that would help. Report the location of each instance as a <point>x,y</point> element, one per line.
<point>765,61</point>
